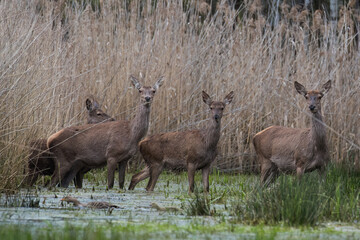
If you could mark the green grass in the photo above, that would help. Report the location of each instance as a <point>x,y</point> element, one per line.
<point>199,205</point>
<point>236,206</point>
<point>197,230</point>
<point>308,201</point>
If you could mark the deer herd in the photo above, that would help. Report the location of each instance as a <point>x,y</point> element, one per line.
<point>71,152</point>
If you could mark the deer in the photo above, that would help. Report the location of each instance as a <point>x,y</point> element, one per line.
<point>109,144</point>
<point>41,161</point>
<point>294,150</point>
<point>189,150</point>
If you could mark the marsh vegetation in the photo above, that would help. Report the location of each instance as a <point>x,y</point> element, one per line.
<point>236,206</point>
<point>55,53</point>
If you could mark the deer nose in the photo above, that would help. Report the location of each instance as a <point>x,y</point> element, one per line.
<point>217,117</point>
<point>312,107</point>
<point>147,99</point>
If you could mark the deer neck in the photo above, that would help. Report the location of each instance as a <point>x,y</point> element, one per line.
<point>212,134</point>
<point>318,133</point>
<point>140,124</point>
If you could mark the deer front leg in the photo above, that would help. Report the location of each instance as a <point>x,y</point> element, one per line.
<point>299,172</point>
<point>31,178</point>
<point>205,177</point>
<point>122,168</point>
<point>78,179</point>
<point>73,171</point>
<point>59,174</point>
<point>80,176</point>
<point>111,167</point>
<point>191,174</point>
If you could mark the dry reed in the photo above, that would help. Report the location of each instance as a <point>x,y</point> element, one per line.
<point>53,55</point>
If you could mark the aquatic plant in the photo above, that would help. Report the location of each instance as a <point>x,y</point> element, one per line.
<point>199,204</point>
<point>306,201</point>
<point>20,200</point>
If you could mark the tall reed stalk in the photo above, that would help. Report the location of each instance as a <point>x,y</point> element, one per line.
<point>54,54</point>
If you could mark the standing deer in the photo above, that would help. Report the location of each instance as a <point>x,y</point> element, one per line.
<point>294,149</point>
<point>94,146</point>
<point>41,161</point>
<point>191,150</point>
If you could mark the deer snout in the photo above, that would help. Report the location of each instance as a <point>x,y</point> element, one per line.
<point>217,117</point>
<point>147,99</point>
<point>312,107</point>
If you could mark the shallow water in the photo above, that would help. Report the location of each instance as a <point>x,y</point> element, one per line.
<point>135,210</point>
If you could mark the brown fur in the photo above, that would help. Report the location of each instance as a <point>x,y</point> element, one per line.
<point>94,146</point>
<point>190,150</point>
<point>282,149</point>
<point>41,161</point>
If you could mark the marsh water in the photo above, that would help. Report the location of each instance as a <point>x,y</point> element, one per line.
<point>137,214</point>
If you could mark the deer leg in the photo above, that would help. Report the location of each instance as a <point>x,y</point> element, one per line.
<point>111,167</point>
<point>59,174</point>
<point>155,171</point>
<point>299,172</point>
<point>268,172</point>
<point>191,174</point>
<point>34,178</point>
<point>70,175</point>
<point>55,177</point>
<point>31,178</point>
<point>122,168</point>
<point>205,177</point>
<point>78,179</point>
<point>80,176</point>
<point>143,174</point>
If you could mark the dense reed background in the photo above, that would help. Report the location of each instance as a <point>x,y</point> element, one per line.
<point>55,53</point>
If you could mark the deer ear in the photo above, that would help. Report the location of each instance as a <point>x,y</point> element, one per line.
<point>89,104</point>
<point>159,83</point>
<point>326,87</point>
<point>229,97</point>
<point>206,98</point>
<point>135,82</point>
<point>300,88</point>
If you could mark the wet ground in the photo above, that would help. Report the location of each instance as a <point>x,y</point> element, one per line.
<point>136,213</point>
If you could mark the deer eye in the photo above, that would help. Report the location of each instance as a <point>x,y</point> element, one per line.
<point>306,97</point>
<point>153,91</point>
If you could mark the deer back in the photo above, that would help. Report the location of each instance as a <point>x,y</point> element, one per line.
<point>92,141</point>
<point>174,148</point>
<point>282,144</point>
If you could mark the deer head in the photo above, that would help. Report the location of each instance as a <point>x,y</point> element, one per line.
<point>147,93</point>
<point>313,97</point>
<point>95,115</point>
<point>216,107</point>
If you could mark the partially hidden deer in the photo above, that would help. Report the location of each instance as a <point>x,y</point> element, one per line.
<point>294,150</point>
<point>41,161</point>
<point>94,146</point>
<point>191,150</point>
